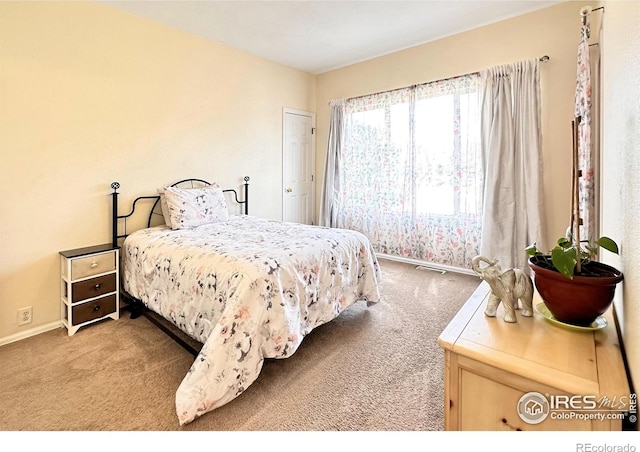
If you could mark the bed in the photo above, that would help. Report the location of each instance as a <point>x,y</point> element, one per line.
<point>246,288</point>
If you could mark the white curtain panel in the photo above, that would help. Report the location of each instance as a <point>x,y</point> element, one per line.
<point>331,180</point>
<point>512,162</point>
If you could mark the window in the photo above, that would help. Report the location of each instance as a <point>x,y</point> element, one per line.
<point>410,171</point>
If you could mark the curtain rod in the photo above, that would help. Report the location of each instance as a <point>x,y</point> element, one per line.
<point>542,59</point>
<point>587,10</point>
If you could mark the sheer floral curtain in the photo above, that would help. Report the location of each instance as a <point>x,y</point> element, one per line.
<point>410,171</point>
<point>585,155</point>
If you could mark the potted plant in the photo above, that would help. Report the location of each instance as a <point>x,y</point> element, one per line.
<point>574,286</point>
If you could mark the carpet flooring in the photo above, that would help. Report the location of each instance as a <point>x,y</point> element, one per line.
<point>375,368</point>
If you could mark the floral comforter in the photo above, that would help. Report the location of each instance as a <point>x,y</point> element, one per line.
<point>248,289</point>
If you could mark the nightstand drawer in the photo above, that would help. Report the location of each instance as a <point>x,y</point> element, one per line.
<point>94,309</point>
<point>93,265</point>
<point>93,287</point>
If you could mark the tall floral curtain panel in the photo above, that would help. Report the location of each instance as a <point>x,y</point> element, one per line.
<point>410,173</point>
<point>583,111</point>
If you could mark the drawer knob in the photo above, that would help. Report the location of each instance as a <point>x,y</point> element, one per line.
<point>96,308</point>
<point>97,287</point>
<point>94,264</point>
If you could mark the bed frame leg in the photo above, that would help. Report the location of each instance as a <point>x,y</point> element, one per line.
<point>131,304</point>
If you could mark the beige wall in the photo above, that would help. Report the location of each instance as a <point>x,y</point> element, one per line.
<point>91,95</point>
<point>621,162</point>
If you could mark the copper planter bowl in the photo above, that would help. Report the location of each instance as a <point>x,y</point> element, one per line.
<point>578,301</point>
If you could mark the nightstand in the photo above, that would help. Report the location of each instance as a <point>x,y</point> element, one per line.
<point>89,290</point>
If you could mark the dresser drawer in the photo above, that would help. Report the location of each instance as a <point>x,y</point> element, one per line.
<point>92,265</point>
<point>93,309</point>
<point>93,287</point>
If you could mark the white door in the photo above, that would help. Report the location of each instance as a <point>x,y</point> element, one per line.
<point>298,156</point>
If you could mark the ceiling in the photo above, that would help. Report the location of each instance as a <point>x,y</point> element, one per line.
<point>319,36</point>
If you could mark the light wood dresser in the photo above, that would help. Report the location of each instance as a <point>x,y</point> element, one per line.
<point>533,374</point>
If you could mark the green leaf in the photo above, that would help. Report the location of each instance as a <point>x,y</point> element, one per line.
<point>564,243</point>
<point>608,244</point>
<point>532,250</point>
<point>564,260</point>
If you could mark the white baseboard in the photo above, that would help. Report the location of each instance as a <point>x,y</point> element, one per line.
<point>31,332</point>
<point>427,265</point>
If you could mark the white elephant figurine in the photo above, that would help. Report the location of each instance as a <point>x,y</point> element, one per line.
<point>508,287</point>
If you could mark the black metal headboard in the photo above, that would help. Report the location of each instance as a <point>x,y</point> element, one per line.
<point>156,199</point>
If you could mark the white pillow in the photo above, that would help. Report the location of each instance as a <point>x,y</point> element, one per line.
<point>191,207</point>
<point>164,207</point>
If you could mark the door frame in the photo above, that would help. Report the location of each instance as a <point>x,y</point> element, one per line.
<point>293,111</point>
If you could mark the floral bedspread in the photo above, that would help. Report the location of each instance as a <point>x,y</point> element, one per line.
<point>248,289</point>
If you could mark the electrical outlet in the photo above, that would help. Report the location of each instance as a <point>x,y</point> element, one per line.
<point>24,315</point>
